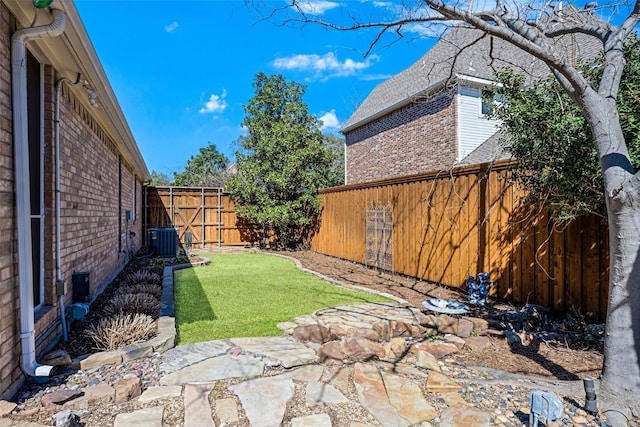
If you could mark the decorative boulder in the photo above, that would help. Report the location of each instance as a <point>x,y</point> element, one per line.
<point>311,333</point>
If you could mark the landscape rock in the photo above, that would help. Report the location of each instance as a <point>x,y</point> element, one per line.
<point>147,417</point>
<point>93,395</point>
<point>59,397</point>
<point>405,395</point>
<point>440,383</point>
<point>455,340</point>
<point>67,418</point>
<point>315,420</point>
<point>464,416</point>
<point>160,392</point>
<point>337,332</point>
<point>369,334</point>
<point>430,321</point>
<point>447,324</point>
<point>311,333</point>
<point>400,329</point>
<point>226,410</point>
<point>372,395</point>
<point>426,360</point>
<point>360,349</point>
<point>383,330</point>
<point>477,343</point>
<point>56,358</point>
<point>318,392</point>
<point>127,389</point>
<point>465,328</point>
<point>331,352</point>
<point>438,348</point>
<point>265,399</point>
<point>197,411</point>
<point>480,326</point>
<point>6,407</point>
<point>394,349</point>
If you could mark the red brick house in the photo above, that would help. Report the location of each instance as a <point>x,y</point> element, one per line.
<point>72,178</point>
<point>431,116</point>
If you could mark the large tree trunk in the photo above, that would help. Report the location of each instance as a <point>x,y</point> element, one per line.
<point>621,371</point>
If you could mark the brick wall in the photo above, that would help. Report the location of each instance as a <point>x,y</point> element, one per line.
<point>97,187</point>
<point>9,304</point>
<point>419,137</point>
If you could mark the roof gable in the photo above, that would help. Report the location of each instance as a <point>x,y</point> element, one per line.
<point>462,51</point>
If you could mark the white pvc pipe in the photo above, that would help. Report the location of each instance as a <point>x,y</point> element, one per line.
<point>23,202</point>
<point>56,124</point>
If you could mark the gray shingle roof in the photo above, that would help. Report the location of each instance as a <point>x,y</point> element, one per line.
<point>492,150</point>
<point>465,51</point>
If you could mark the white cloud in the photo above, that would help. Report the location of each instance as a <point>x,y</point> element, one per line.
<point>215,104</point>
<point>325,64</point>
<point>171,27</point>
<point>314,7</point>
<point>329,121</point>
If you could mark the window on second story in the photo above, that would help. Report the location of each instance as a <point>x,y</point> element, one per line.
<point>489,98</point>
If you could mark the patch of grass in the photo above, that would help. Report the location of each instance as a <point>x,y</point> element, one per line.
<point>247,295</point>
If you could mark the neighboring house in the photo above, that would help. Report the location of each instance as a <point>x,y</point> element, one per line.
<point>79,212</point>
<point>432,115</point>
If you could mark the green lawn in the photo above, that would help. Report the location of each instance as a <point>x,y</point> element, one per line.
<point>247,295</point>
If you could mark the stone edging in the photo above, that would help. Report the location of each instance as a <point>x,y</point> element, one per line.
<point>339,283</point>
<point>165,340</point>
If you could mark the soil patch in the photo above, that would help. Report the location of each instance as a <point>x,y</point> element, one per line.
<point>565,355</point>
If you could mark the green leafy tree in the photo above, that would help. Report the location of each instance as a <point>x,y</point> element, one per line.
<point>282,162</point>
<point>159,179</point>
<point>556,160</point>
<point>335,145</point>
<point>207,169</point>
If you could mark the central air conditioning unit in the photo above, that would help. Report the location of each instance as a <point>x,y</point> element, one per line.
<point>164,241</point>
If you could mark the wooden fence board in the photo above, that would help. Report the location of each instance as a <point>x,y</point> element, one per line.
<point>446,225</point>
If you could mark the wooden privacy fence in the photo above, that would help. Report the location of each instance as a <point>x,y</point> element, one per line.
<point>207,213</point>
<point>452,224</point>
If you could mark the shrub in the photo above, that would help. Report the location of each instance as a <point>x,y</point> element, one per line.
<point>141,303</point>
<point>140,288</point>
<point>121,330</point>
<point>143,276</point>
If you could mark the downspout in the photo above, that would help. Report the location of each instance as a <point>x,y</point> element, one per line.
<point>56,124</point>
<point>23,203</point>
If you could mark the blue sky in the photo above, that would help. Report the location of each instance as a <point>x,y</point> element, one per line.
<point>182,70</point>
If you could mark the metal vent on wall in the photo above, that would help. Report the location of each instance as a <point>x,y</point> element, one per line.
<point>379,236</point>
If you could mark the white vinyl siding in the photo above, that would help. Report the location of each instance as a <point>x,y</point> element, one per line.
<point>473,127</point>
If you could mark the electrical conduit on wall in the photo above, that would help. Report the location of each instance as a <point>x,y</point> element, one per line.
<point>23,196</point>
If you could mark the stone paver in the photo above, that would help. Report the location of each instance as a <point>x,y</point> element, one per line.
<point>226,410</point>
<point>306,373</point>
<point>216,368</point>
<point>316,420</point>
<point>6,422</point>
<point>265,399</point>
<point>147,417</point>
<point>197,411</point>
<point>285,349</point>
<point>318,392</point>
<point>464,416</point>
<point>160,392</point>
<point>186,355</point>
<point>364,315</point>
<point>373,396</point>
<point>405,395</point>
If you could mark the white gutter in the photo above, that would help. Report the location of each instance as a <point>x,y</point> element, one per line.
<point>23,202</point>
